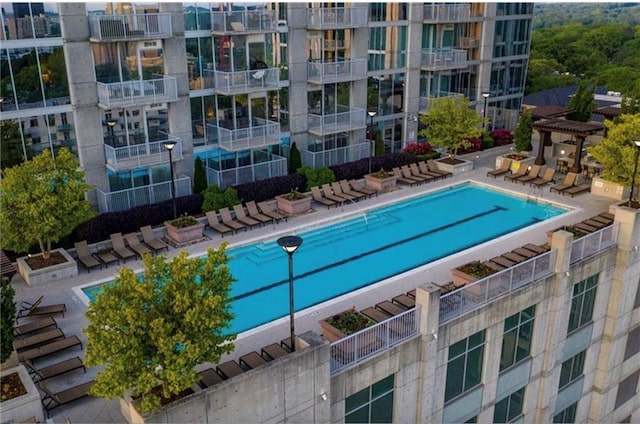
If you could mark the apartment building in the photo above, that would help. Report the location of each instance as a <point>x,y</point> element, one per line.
<point>237,84</point>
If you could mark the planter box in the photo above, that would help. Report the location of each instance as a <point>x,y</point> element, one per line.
<point>515,164</point>
<point>463,166</point>
<point>461,278</point>
<point>25,407</point>
<point>35,277</point>
<point>605,188</point>
<point>186,234</point>
<point>380,184</point>
<point>294,207</point>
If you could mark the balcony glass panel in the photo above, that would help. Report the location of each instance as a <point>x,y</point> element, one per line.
<point>132,93</point>
<point>244,21</point>
<point>337,17</point>
<point>142,155</point>
<point>153,193</point>
<point>446,12</point>
<point>347,119</point>
<point>261,134</point>
<point>229,83</point>
<point>109,28</point>
<point>436,59</point>
<point>348,70</point>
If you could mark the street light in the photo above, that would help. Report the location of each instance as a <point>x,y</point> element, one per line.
<point>635,170</point>
<point>371,114</point>
<point>169,145</point>
<point>486,95</point>
<point>290,244</point>
<point>112,123</point>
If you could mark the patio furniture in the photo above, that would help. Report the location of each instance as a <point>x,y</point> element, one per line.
<point>404,300</point>
<point>52,400</point>
<point>134,243</point>
<point>547,178</point>
<point>521,172</point>
<point>254,213</point>
<point>406,173</point>
<point>318,197</point>
<point>577,189</point>
<point>512,256</point>
<point>337,191</point>
<point>596,224</point>
<point>412,293</point>
<point>433,167</point>
<point>274,351</point>
<point>85,257</point>
<point>50,348</point>
<point>225,215</point>
<point>502,261</point>
<point>503,169</point>
<point>271,212</point>
<point>402,179</point>
<point>495,266</point>
<point>118,247</point>
<point>534,248</point>
<point>525,252</point>
<point>530,176</point>
<point>150,239</point>
<point>31,309</point>
<point>37,339</point>
<point>208,378</point>
<point>7,268</point>
<point>362,188</point>
<point>602,219</point>
<point>39,324</point>
<point>375,314</point>
<point>584,227</point>
<point>229,369</point>
<point>568,182</point>
<point>53,370</point>
<point>607,215</point>
<point>106,257</point>
<point>390,308</point>
<point>346,189</point>
<point>214,223</point>
<point>428,176</point>
<point>252,360</point>
<point>242,216</point>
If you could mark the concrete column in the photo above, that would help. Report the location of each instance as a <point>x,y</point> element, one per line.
<point>428,297</point>
<point>577,168</point>
<point>542,142</point>
<point>412,75</point>
<point>297,62</point>
<point>486,53</point>
<point>358,94</point>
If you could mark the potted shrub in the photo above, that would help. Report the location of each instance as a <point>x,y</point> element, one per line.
<point>381,180</point>
<point>470,272</point>
<point>343,324</point>
<point>184,229</point>
<point>577,233</point>
<point>294,203</point>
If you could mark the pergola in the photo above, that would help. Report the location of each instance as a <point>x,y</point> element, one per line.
<point>549,111</point>
<point>580,130</point>
<point>609,112</point>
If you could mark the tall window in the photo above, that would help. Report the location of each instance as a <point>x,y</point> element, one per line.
<point>509,408</point>
<point>516,341</point>
<point>572,369</point>
<point>567,415</point>
<point>464,368</point>
<point>584,297</point>
<point>371,405</point>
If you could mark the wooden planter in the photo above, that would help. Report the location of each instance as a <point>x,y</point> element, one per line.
<point>186,234</point>
<point>332,333</point>
<point>380,184</point>
<point>461,278</point>
<point>294,207</point>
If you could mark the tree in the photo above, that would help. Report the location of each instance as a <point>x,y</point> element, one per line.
<point>631,103</point>
<point>582,102</point>
<point>152,329</point>
<point>449,123</point>
<point>295,161</point>
<point>7,319</point>
<point>214,198</point>
<point>379,144</point>
<point>199,176</point>
<point>11,153</point>
<point>616,152</point>
<point>46,199</point>
<point>522,134</point>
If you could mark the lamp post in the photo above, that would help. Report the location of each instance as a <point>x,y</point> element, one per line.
<point>371,114</point>
<point>169,145</point>
<point>486,95</point>
<point>635,170</point>
<point>290,244</point>
<point>112,123</point>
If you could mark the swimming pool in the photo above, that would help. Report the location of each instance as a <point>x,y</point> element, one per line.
<point>346,255</point>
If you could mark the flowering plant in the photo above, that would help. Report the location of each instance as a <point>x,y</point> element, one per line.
<point>477,269</point>
<point>293,195</point>
<point>183,221</point>
<point>418,148</point>
<point>350,321</point>
<point>381,174</point>
<point>502,137</point>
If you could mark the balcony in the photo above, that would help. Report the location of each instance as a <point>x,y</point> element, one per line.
<point>241,82</point>
<point>65,127</point>
<point>261,133</point>
<point>334,45</point>
<point>347,119</point>
<point>137,93</point>
<point>348,70</point>
<point>437,59</point>
<point>243,22</point>
<point>121,200</point>
<point>446,12</point>
<point>337,156</point>
<point>468,43</point>
<point>276,166</point>
<point>593,243</point>
<point>146,26</point>
<point>424,104</point>
<point>141,155</point>
<point>321,18</point>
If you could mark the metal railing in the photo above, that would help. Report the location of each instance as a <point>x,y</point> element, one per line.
<point>424,102</point>
<point>141,155</point>
<point>348,120</point>
<point>130,27</point>
<point>243,21</point>
<point>263,133</point>
<point>594,242</point>
<point>333,44</point>
<point>336,156</point>
<point>437,59</point>
<point>446,12</point>
<point>137,93</point>
<point>229,83</point>
<point>245,174</point>
<point>361,345</point>
<point>347,70</point>
<point>337,17</point>
<point>121,200</point>
<point>474,295</point>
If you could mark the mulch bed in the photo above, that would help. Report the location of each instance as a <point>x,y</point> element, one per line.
<point>38,262</point>
<point>451,161</point>
<point>12,387</point>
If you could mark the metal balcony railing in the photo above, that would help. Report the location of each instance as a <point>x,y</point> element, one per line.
<point>153,193</point>
<point>137,93</point>
<point>64,127</point>
<point>334,44</point>
<point>261,134</point>
<point>330,72</point>
<point>145,26</point>
<point>468,42</point>
<point>229,83</point>
<point>424,102</point>
<point>244,21</point>
<point>436,12</point>
<point>276,167</point>
<point>594,242</point>
<point>336,156</point>
<point>337,17</point>
<point>437,59</point>
<point>142,155</point>
<point>347,119</point>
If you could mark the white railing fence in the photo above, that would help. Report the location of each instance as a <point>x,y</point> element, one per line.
<point>153,193</point>
<point>276,167</point>
<point>130,26</point>
<point>336,156</point>
<point>594,242</point>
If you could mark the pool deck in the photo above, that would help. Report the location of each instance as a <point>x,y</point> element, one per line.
<point>96,410</point>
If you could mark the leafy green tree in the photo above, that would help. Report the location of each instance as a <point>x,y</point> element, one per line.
<point>379,144</point>
<point>582,102</point>
<point>11,153</point>
<point>7,319</point>
<point>46,199</point>
<point>295,161</point>
<point>616,152</point>
<point>152,330</point>
<point>215,198</point>
<point>449,123</point>
<point>317,177</point>
<point>631,103</point>
<point>523,132</point>
<point>199,176</point>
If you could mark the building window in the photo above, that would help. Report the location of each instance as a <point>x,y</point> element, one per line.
<point>33,122</point>
<point>636,303</point>
<point>572,369</point>
<point>371,405</point>
<point>627,389</point>
<point>568,415</point>
<point>633,343</point>
<point>584,297</point>
<point>516,341</point>
<point>509,408</point>
<point>464,368</point>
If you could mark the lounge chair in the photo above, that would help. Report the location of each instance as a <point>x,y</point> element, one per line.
<point>50,348</point>
<point>214,224</point>
<point>31,309</point>
<point>328,193</point>
<point>346,189</point>
<point>271,212</point>
<point>362,188</point>
<point>37,325</point>
<point>535,248</point>
<point>525,252</point>
<point>502,261</point>
<point>586,228</point>
<point>106,257</point>
<point>337,191</point>
<point>404,300</point>
<point>151,240</point>
<point>242,216</point>
<point>406,172</point>
<point>521,172</point>
<point>118,247</point>
<point>319,198</point>
<point>134,243</point>
<point>602,219</point>
<point>85,257</point>
<point>433,167</point>
<point>53,370</point>
<point>547,178</point>
<point>37,339</point>
<point>569,181</point>
<point>254,213</point>
<point>401,179</point>
<point>225,215</point>
<point>424,173</point>
<point>531,175</point>
<point>52,400</point>
<point>503,169</point>
<point>229,369</point>
<point>596,224</point>
<point>515,257</point>
<point>577,189</point>
<point>208,378</point>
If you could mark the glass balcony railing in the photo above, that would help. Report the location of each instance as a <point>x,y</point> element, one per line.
<point>137,93</point>
<point>244,21</point>
<point>337,17</point>
<point>261,134</point>
<point>347,119</point>
<point>230,83</point>
<point>274,167</point>
<point>142,155</point>
<point>121,200</point>
<point>436,12</point>
<point>347,70</point>
<point>336,156</point>
<point>424,104</point>
<point>437,59</point>
<point>145,26</point>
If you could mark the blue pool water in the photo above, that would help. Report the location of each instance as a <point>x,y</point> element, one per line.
<point>341,257</point>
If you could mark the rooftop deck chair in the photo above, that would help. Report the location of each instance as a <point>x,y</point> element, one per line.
<point>406,172</point>
<point>433,167</point>
<point>37,339</point>
<point>584,227</point>
<point>547,178</point>
<point>535,248</point>
<point>515,257</point>
<point>525,252</point>
<point>531,175</point>
<point>362,188</point>
<point>118,247</point>
<point>319,198</point>
<point>337,191</point>
<point>577,189</point>
<point>271,212</point>
<point>346,189</point>
<point>569,181</point>
<point>503,169</point>
<point>424,169</point>
<point>428,176</point>
<point>37,325</point>
<point>214,223</point>
<point>401,179</point>
<point>53,370</point>
<point>596,224</point>
<point>150,239</point>
<point>225,215</point>
<point>52,400</point>
<point>85,257</point>
<point>134,243</point>
<point>521,172</point>
<point>602,219</point>
<point>254,213</point>
<point>7,268</point>
<point>326,193</point>
<point>32,309</point>
<point>50,348</point>
<point>242,216</point>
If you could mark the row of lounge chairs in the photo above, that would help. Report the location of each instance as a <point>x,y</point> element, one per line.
<point>570,186</point>
<point>255,214</point>
<point>336,193</point>
<point>418,173</point>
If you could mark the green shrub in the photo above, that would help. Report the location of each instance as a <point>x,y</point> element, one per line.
<point>379,144</point>
<point>487,141</point>
<point>295,161</point>
<point>7,319</point>
<point>199,176</point>
<point>317,177</point>
<point>215,199</point>
<point>428,156</point>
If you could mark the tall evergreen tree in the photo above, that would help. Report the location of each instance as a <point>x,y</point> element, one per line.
<point>11,153</point>
<point>631,103</point>
<point>199,176</point>
<point>522,134</point>
<point>7,319</point>
<point>582,102</point>
<point>295,161</point>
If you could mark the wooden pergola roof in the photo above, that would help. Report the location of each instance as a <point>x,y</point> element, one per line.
<point>549,111</point>
<point>608,112</point>
<point>565,126</point>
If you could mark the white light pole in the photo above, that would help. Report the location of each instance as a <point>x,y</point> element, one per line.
<point>290,244</point>
<point>169,145</point>
<point>371,114</point>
